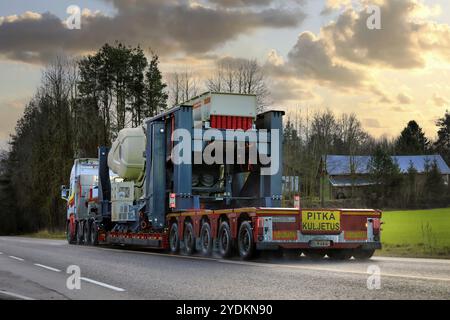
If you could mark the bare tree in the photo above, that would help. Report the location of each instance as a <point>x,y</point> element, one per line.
<point>183,86</point>
<point>242,76</point>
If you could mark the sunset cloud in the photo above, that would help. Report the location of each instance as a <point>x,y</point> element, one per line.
<point>166,26</point>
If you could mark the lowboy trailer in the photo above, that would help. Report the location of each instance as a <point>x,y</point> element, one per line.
<point>206,177</point>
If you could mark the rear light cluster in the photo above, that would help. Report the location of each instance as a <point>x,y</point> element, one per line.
<point>231,122</point>
<point>376,226</point>
<point>260,228</point>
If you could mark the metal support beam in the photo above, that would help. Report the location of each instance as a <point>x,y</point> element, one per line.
<point>182,177</point>
<point>156,173</point>
<point>271,185</point>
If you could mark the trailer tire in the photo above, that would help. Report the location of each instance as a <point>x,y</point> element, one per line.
<point>80,233</point>
<point>174,239</point>
<point>94,234</point>
<point>363,254</point>
<point>225,240</point>
<point>87,233</point>
<point>339,254</point>
<point>206,242</point>
<point>189,238</point>
<point>246,243</point>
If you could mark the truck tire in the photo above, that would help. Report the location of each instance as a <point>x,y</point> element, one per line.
<point>87,233</point>
<point>339,254</point>
<point>94,234</point>
<point>246,244</point>
<point>174,239</point>
<point>189,239</point>
<point>225,240</point>
<point>80,233</point>
<point>206,243</point>
<point>363,254</point>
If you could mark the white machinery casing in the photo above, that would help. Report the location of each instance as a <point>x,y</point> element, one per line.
<point>126,157</point>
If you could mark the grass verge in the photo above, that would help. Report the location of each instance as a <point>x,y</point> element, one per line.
<point>416,233</point>
<point>45,234</point>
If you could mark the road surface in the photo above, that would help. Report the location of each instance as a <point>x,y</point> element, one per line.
<point>37,269</point>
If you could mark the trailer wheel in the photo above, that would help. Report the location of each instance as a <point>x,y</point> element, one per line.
<point>339,254</point>
<point>225,240</point>
<point>189,238</point>
<point>80,232</point>
<point>206,239</point>
<point>87,233</point>
<point>94,234</point>
<point>363,254</point>
<point>174,239</point>
<point>246,245</point>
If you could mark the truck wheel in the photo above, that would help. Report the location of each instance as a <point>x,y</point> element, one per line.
<point>87,233</point>
<point>206,239</point>
<point>189,239</point>
<point>225,240</point>
<point>174,239</point>
<point>314,254</point>
<point>363,254</point>
<point>94,234</point>
<point>80,232</point>
<point>246,245</point>
<point>340,254</point>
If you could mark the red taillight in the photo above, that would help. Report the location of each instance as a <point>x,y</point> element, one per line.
<point>376,226</point>
<point>259,226</point>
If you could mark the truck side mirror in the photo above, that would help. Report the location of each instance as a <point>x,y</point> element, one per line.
<point>64,193</point>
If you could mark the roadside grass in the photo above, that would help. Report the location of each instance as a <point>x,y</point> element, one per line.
<point>416,233</point>
<point>46,234</point>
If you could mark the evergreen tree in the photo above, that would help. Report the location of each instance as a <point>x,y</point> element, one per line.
<point>442,145</point>
<point>412,140</point>
<point>435,189</point>
<point>385,175</point>
<point>155,89</point>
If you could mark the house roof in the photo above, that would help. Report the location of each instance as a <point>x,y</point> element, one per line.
<point>345,181</point>
<point>342,165</point>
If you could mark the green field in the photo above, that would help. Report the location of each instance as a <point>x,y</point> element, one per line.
<point>416,233</point>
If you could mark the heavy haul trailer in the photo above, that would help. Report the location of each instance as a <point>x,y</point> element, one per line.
<point>199,205</point>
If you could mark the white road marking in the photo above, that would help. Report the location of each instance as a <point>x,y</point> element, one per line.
<point>102,284</point>
<point>47,267</point>
<point>271,265</point>
<point>16,258</point>
<point>1,252</point>
<point>15,295</point>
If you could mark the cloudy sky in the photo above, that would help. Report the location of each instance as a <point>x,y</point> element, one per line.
<point>316,53</point>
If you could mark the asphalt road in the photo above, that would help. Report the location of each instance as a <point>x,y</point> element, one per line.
<point>37,269</point>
